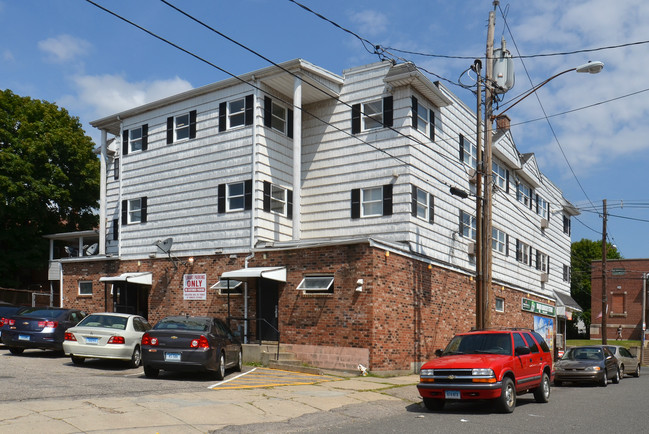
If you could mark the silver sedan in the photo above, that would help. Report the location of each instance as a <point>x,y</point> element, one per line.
<point>107,335</point>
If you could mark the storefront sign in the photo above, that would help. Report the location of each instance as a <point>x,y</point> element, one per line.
<point>195,287</point>
<point>537,307</point>
<point>545,327</point>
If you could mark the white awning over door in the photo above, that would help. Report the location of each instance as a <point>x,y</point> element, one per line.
<point>244,274</point>
<point>139,278</point>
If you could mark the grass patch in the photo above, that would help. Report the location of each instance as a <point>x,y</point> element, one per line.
<point>581,342</point>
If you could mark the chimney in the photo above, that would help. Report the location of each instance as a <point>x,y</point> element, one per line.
<point>503,122</point>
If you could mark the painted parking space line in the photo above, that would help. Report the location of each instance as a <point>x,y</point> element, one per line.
<point>266,377</point>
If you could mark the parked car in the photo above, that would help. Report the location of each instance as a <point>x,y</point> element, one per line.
<point>189,343</point>
<point>591,363</point>
<point>114,336</point>
<point>8,310</point>
<point>627,362</point>
<point>39,327</point>
<point>495,365</point>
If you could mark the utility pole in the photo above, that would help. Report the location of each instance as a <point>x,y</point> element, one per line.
<point>479,317</point>
<point>604,297</point>
<point>488,174</point>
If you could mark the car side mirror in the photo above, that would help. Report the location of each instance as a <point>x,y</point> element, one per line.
<point>439,353</point>
<point>522,351</point>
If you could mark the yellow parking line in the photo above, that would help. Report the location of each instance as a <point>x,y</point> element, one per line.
<point>265,377</point>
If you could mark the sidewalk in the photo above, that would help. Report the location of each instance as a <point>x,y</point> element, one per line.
<point>202,411</point>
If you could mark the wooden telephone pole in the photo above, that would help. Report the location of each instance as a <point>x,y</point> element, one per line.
<point>604,297</point>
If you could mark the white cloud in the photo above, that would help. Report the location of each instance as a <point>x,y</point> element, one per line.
<point>63,48</point>
<point>107,94</point>
<point>371,23</point>
<point>8,56</point>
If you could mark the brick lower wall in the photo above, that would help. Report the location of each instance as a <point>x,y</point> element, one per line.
<point>404,312</point>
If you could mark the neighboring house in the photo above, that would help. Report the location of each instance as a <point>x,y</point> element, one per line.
<point>626,281</point>
<point>315,209</point>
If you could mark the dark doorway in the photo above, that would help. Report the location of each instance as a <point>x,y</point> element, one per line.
<point>267,298</point>
<point>131,298</point>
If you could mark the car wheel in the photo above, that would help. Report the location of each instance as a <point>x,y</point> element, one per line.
<point>637,371</point>
<point>77,360</point>
<point>542,393</point>
<point>239,366</point>
<point>507,401</point>
<point>434,404</point>
<point>621,372</point>
<point>136,358</point>
<point>220,372</point>
<point>616,378</point>
<point>16,350</point>
<point>604,380</point>
<point>151,372</point>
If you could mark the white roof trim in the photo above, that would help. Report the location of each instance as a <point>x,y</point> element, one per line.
<point>139,278</point>
<point>243,274</point>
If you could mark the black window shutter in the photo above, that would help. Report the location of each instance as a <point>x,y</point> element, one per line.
<point>115,229</point>
<point>116,169</point>
<point>223,117</point>
<point>248,194</point>
<point>249,110</point>
<point>289,123</point>
<point>125,142</point>
<point>356,203</point>
<point>531,198</point>
<point>124,212</point>
<point>461,147</point>
<point>170,130</point>
<point>507,181</point>
<point>461,225</point>
<point>266,196</point>
<point>415,113</point>
<point>387,199</point>
<point>548,267</point>
<point>388,111</point>
<point>506,245</point>
<point>145,137</point>
<point>268,114</point>
<point>143,209</point>
<point>414,201</point>
<point>192,124</point>
<point>518,250</point>
<point>529,257</point>
<point>220,197</point>
<point>431,208</point>
<point>432,126</point>
<point>356,118</point>
<point>289,204</point>
<point>537,203</point>
<point>538,260</point>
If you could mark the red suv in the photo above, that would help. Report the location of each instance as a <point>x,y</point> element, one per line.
<point>488,364</point>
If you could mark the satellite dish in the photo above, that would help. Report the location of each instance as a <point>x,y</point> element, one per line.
<point>71,251</point>
<point>165,245</point>
<point>92,249</point>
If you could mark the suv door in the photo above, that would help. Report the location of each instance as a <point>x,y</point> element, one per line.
<point>536,356</point>
<point>523,370</point>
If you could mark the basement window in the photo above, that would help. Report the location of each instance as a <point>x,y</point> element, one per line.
<point>317,285</point>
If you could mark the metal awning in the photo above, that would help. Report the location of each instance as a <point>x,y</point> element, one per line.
<point>245,274</point>
<point>566,301</point>
<point>139,278</point>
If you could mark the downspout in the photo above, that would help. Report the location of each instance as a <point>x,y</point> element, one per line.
<point>102,195</point>
<point>297,157</point>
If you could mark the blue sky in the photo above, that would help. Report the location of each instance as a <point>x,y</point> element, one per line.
<point>78,56</point>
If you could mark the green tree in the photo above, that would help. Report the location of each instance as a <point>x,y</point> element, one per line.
<point>49,183</point>
<point>583,252</point>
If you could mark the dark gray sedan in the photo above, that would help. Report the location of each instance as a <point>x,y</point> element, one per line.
<point>594,364</point>
<point>190,344</point>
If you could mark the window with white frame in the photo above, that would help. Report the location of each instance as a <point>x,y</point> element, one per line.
<point>373,114</point>
<point>500,175</point>
<point>469,152</point>
<point>236,113</point>
<point>522,252</point>
<point>422,208</point>
<point>371,202</point>
<point>566,224</point>
<point>135,139</point>
<point>500,304</point>
<point>566,273</point>
<point>423,119</point>
<point>542,207</point>
<point>277,199</point>
<point>85,287</point>
<point>278,117</point>
<point>542,262</point>
<point>235,199</point>
<point>135,211</point>
<point>181,128</point>
<point>317,284</point>
<point>524,194</point>
<point>498,240</point>
<point>467,225</point>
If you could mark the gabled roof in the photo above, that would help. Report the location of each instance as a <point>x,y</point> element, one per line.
<point>407,74</point>
<point>530,170</point>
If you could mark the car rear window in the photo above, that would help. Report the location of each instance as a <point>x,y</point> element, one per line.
<point>192,324</point>
<point>104,321</point>
<point>541,341</point>
<point>43,313</point>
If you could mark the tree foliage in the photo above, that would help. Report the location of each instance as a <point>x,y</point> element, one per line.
<point>583,252</point>
<point>49,182</point>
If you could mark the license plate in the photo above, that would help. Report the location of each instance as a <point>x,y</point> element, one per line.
<point>23,337</point>
<point>172,357</point>
<point>92,340</point>
<point>452,394</point>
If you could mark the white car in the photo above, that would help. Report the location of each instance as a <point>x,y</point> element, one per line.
<point>106,336</point>
<point>627,363</point>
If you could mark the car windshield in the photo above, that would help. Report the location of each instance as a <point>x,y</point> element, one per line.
<point>193,324</point>
<point>483,343</point>
<point>106,321</point>
<point>613,350</point>
<point>41,313</point>
<point>584,354</point>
